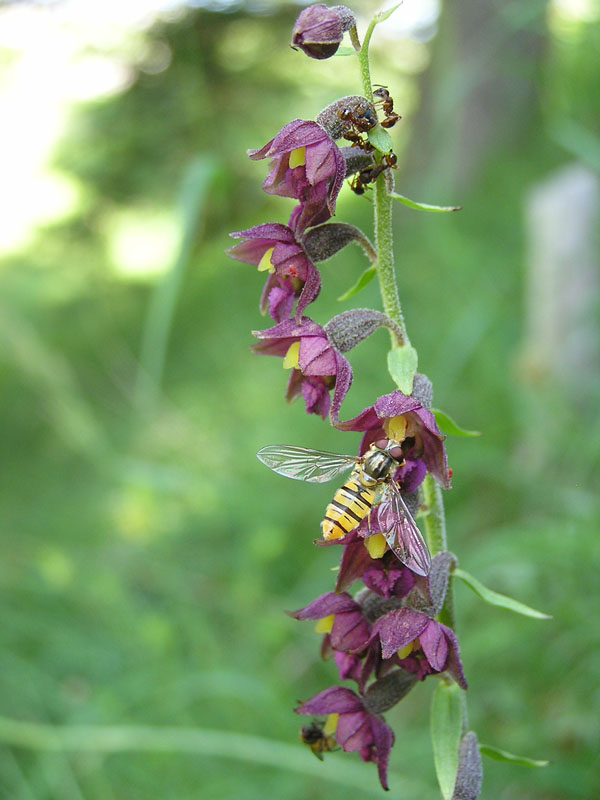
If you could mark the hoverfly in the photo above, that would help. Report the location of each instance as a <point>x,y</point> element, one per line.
<point>372,474</point>
<point>314,736</point>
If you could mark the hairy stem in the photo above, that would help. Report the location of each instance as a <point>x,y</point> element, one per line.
<point>385,260</point>
<point>435,521</point>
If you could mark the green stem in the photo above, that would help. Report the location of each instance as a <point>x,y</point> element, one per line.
<point>363,61</point>
<point>435,522</point>
<point>435,532</point>
<point>383,217</point>
<point>386,272</point>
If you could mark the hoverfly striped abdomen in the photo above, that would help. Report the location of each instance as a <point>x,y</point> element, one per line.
<point>349,506</point>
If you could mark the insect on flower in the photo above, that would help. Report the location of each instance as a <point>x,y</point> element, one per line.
<point>387,104</point>
<point>315,737</point>
<point>372,475</point>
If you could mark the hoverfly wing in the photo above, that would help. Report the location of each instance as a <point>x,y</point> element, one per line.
<point>303,464</point>
<point>401,532</point>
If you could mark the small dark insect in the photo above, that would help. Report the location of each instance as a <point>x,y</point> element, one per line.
<point>387,106</point>
<point>360,121</point>
<point>315,737</point>
<point>368,175</point>
<point>359,141</point>
<point>361,117</point>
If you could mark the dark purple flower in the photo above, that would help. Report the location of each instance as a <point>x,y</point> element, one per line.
<point>274,249</point>
<point>385,575</point>
<point>341,618</point>
<point>307,165</point>
<point>318,30</point>
<point>357,729</point>
<point>403,418</point>
<point>422,645</point>
<point>317,367</point>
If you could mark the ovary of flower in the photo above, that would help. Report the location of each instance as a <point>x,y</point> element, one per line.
<point>291,357</point>
<point>265,264</point>
<point>330,724</point>
<point>298,157</point>
<point>325,624</point>
<point>407,649</point>
<point>376,545</point>
<point>395,428</point>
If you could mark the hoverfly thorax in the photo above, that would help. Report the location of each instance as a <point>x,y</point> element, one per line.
<point>382,459</point>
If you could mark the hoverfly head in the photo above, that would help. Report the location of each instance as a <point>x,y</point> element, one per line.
<point>392,448</point>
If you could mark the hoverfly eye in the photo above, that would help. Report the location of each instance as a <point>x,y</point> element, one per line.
<point>381,444</point>
<point>396,453</point>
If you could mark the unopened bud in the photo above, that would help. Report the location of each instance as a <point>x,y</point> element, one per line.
<point>349,328</point>
<point>351,113</point>
<point>422,390</point>
<point>384,693</point>
<point>470,773</point>
<point>319,29</point>
<point>356,159</point>
<point>324,241</point>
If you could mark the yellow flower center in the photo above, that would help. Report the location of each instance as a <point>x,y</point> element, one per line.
<point>291,357</point>
<point>298,157</point>
<point>395,428</point>
<point>265,264</point>
<point>325,624</point>
<point>376,545</point>
<point>330,724</point>
<point>407,650</point>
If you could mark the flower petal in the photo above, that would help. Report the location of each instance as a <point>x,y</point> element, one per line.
<point>384,739</point>
<point>397,628</point>
<point>326,604</point>
<point>336,699</point>
<point>434,645</point>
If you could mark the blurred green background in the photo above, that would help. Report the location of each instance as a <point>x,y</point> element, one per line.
<point>147,556</point>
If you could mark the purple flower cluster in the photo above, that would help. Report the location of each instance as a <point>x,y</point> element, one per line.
<point>386,638</point>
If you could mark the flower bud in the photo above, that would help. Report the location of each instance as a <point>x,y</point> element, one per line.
<point>318,30</point>
<point>470,774</point>
<point>423,390</point>
<point>349,328</point>
<point>384,693</point>
<point>356,159</point>
<point>348,113</point>
<point>324,241</point>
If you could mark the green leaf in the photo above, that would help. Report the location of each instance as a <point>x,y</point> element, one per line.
<point>421,206</point>
<point>496,599</point>
<point>447,425</point>
<point>364,279</point>
<point>503,755</point>
<point>345,51</point>
<point>402,365</point>
<point>380,139</point>
<point>446,727</point>
<point>381,16</point>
